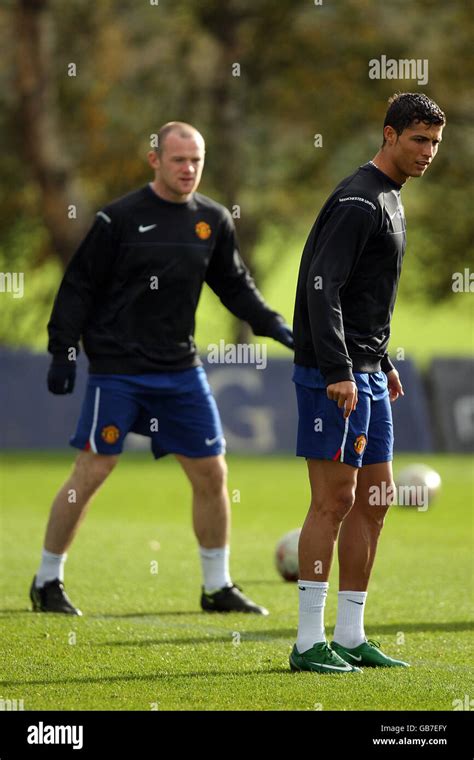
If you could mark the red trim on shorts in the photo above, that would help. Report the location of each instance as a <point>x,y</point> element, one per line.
<point>336,457</point>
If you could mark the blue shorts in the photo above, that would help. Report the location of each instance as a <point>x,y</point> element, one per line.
<point>365,437</point>
<point>175,409</point>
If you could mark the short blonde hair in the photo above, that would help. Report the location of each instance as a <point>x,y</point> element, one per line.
<point>181,128</point>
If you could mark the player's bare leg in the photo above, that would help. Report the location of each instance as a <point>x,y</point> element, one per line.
<point>211,508</point>
<point>333,488</point>
<point>361,528</point>
<point>211,522</point>
<point>357,547</point>
<point>72,501</point>
<point>67,512</point>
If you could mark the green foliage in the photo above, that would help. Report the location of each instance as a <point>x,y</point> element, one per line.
<point>303,71</point>
<point>24,319</point>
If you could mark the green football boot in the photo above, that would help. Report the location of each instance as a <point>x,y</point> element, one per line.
<point>367,654</point>
<point>320,659</point>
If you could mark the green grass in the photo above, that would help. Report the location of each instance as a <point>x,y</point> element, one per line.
<point>143,643</point>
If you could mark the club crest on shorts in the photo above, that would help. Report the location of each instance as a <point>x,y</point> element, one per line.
<point>360,443</point>
<point>202,230</point>
<point>110,434</point>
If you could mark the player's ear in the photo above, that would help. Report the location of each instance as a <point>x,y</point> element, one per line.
<point>390,135</point>
<point>153,159</point>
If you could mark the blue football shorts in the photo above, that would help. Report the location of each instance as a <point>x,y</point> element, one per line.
<point>176,410</point>
<point>365,437</point>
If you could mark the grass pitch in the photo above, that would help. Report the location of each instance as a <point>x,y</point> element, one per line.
<point>143,643</point>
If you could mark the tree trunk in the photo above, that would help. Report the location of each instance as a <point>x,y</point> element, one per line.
<point>223,21</point>
<point>42,146</point>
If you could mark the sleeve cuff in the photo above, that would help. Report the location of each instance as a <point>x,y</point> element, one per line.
<point>269,328</point>
<point>386,364</point>
<point>62,358</point>
<point>339,375</point>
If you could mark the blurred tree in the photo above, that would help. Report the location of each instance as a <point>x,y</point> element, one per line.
<point>303,72</point>
<point>43,148</point>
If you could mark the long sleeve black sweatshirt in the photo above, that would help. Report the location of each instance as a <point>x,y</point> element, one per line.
<point>132,288</point>
<point>348,278</point>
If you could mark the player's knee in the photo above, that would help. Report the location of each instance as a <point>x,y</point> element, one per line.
<point>95,468</point>
<point>390,495</point>
<point>375,516</point>
<point>337,505</point>
<point>375,509</point>
<point>212,477</point>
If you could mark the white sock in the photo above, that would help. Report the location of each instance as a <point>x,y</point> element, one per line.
<point>312,599</point>
<point>349,631</point>
<point>52,567</point>
<point>215,568</point>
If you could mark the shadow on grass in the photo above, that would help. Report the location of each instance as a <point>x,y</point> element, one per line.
<point>225,638</point>
<point>22,611</point>
<point>267,582</point>
<point>158,613</point>
<point>280,633</point>
<point>102,616</point>
<point>452,626</point>
<point>149,677</point>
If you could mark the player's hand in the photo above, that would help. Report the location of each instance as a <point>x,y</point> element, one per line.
<point>61,376</point>
<point>395,388</point>
<point>283,334</point>
<point>345,393</point>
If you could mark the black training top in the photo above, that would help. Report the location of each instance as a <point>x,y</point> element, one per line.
<point>132,288</point>
<point>348,278</point>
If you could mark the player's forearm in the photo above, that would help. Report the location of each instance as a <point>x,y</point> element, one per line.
<point>87,271</point>
<point>68,316</point>
<point>327,331</point>
<point>246,303</point>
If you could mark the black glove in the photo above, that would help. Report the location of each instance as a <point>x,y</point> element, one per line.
<point>61,376</point>
<point>283,334</point>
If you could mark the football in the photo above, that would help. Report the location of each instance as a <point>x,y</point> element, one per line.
<point>286,555</point>
<point>417,486</point>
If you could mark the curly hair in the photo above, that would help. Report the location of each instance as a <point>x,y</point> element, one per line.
<point>406,107</point>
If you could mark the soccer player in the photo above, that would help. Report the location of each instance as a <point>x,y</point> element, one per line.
<point>131,292</point>
<point>344,381</point>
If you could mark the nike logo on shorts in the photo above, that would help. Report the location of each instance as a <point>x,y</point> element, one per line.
<point>210,441</point>
<point>143,228</point>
